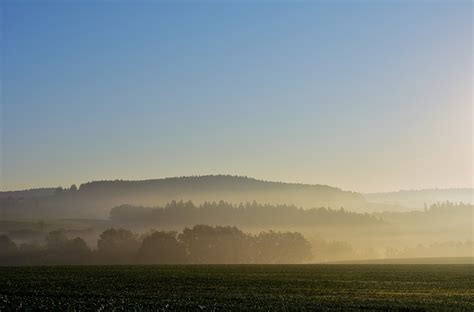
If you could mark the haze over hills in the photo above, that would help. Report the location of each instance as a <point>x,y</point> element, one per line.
<point>419,199</point>
<point>95,199</point>
<point>362,230</point>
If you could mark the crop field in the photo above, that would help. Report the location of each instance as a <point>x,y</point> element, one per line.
<point>239,287</point>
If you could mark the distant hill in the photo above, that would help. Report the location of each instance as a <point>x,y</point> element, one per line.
<point>419,198</point>
<point>95,199</point>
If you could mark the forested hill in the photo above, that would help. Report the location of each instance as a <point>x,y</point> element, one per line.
<point>95,199</point>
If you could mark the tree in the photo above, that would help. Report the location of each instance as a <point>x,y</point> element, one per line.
<point>161,248</point>
<point>56,239</point>
<point>117,246</point>
<point>8,249</point>
<point>207,244</point>
<point>60,250</point>
<point>77,246</point>
<point>280,248</point>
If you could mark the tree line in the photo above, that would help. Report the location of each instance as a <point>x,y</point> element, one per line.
<point>458,215</point>
<point>247,215</point>
<point>201,244</point>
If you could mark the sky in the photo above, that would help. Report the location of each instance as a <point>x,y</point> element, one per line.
<point>363,95</point>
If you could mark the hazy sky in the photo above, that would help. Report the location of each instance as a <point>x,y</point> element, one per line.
<point>364,95</point>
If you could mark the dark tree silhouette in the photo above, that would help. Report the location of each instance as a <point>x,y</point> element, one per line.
<point>61,250</point>
<point>207,244</point>
<point>201,244</point>
<point>161,248</point>
<point>8,250</point>
<point>56,239</point>
<point>276,247</point>
<point>117,246</point>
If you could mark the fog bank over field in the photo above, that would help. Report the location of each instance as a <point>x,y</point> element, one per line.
<point>338,225</point>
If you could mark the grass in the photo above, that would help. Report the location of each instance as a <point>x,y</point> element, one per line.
<point>240,287</point>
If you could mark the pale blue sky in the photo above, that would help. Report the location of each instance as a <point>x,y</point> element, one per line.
<point>364,95</point>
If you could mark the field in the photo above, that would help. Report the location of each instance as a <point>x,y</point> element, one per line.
<point>240,287</point>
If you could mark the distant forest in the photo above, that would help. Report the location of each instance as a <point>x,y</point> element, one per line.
<point>41,226</point>
<point>248,215</point>
<point>441,230</point>
<point>201,244</point>
<point>442,214</point>
<point>95,199</point>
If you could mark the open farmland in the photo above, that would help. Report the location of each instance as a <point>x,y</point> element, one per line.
<point>239,287</point>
